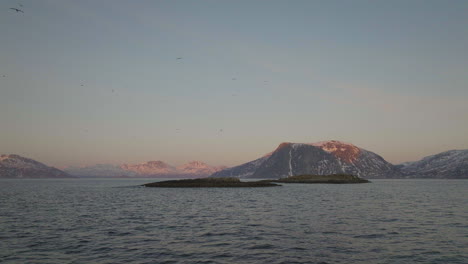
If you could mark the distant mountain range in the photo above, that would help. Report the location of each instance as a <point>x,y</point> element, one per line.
<point>288,159</point>
<point>15,166</point>
<point>157,169</point>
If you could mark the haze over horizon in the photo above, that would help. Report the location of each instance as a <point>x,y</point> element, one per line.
<point>224,82</point>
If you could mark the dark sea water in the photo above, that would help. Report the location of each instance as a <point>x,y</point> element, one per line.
<point>114,221</point>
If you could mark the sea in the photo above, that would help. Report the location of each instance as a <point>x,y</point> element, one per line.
<point>118,221</point>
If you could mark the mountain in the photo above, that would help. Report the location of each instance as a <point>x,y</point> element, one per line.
<point>322,158</point>
<point>358,161</point>
<point>100,170</point>
<point>198,168</point>
<point>15,166</point>
<point>150,168</point>
<point>245,170</point>
<point>147,169</point>
<point>452,164</point>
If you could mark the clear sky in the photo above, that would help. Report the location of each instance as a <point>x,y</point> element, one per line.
<point>85,82</point>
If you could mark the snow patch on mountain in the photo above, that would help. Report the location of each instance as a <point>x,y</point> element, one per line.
<point>346,152</point>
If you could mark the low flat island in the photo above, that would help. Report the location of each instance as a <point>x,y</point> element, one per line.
<point>334,178</point>
<point>210,183</point>
<point>235,182</point>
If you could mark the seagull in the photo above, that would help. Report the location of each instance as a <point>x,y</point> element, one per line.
<point>20,5</point>
<point>179,58</point>
<point>17,10</point>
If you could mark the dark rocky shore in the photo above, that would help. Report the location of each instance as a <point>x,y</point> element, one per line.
<point>209,182</point>
<point>334,178</point>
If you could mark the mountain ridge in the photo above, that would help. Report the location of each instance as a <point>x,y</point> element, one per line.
<point>452,164</point>
<point>288,159</point>
<point>16,166</point>
<point>320,158</point>
<point>157,169</point>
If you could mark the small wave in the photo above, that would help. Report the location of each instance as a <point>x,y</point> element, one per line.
<point>299,248</point>
<point>370,236</point>
<point>262,246</point>
<point>211,234</point>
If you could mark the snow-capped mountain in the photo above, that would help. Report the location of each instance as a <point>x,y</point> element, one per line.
<point>146,169</point>
<point>449,164</point>
<point>151,168</point>
<point>15,166</point>
<point>358,161</point>
<point>100,170</point>
<point>328,157</point>
<point>198,168</point>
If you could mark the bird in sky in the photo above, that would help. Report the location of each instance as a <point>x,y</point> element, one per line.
<point>3,75</point>
<point>179,58</point>
<point>17,10</point>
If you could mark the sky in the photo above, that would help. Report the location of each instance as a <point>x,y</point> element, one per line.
<point>86,82</point>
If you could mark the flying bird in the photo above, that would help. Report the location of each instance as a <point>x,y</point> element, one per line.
<point>179,58</point>
<point>17,10</point>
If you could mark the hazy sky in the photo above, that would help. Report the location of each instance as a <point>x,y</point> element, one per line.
<point>84,82</point>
